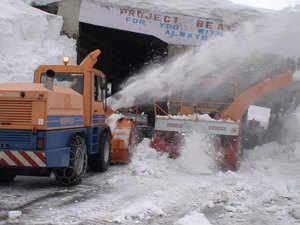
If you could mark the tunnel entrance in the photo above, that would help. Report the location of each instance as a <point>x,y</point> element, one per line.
<point>123,54</point>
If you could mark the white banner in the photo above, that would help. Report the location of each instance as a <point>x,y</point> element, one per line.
<point>206,127</point>
<point>169,27</point>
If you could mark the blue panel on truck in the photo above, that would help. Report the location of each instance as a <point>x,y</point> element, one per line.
<point>93,137</point>
<point>17,139</point>
<point>99,118</point>
<point>58,157</point>
<point>64,121</point>
<point>19,148</point>
<point>56,139</point>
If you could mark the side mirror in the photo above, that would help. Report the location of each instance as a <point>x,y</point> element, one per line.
<point>108,89</point>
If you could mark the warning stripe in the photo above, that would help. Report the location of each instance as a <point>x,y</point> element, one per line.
<point>23,158</point>
<point>7,160</point>
<point>27,157</point>
<point>36,159</point>
<point>41,156</point>
<point>25,161</point>
<point>3,162</point>
<point>14,158</point>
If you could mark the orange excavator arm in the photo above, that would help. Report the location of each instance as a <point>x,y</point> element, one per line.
<point>240,105</point>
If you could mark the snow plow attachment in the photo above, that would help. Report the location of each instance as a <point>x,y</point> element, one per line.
<point>169,134</point>
<point>221,116</point>
<point>121,143</point>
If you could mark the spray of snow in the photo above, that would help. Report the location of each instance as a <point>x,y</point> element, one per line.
<point>238,53</point>
<point>296,76</point>
<point>113,119</point>
<point>29,38</point>
<point>197,155</point>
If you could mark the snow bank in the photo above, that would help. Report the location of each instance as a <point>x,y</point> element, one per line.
<point>28,38</point>
<point>40,2</point>
<point>143,210</point>
<point>197,155</point>
<point>146,161</point>
<point>194,218</point>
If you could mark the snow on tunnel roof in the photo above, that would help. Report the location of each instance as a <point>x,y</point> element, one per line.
<point>225,10</point>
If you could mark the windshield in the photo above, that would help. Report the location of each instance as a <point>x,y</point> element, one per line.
<point>67,80</point>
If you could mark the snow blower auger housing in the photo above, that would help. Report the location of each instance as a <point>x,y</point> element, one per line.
<point>221,116</point>
<point>57,124</point>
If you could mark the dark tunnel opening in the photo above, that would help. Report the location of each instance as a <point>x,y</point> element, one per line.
<point>123,53</point>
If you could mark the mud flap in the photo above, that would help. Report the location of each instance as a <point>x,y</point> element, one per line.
<point>122,140</point>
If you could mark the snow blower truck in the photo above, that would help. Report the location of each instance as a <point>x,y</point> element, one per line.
<point>215,109</point>
<point>58,124</point>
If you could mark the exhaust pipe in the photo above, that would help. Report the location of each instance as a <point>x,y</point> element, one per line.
<point>50,74</point>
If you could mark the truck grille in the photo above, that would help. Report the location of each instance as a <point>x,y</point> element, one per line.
<point>15,112</point>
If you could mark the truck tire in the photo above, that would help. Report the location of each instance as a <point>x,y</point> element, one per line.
<point>73,174</point>
<point>100,162</point>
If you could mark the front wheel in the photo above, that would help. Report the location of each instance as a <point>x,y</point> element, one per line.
<point>100,162</point>
<point>73,174</point>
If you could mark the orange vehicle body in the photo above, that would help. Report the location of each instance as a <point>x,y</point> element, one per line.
<point>39,120</point>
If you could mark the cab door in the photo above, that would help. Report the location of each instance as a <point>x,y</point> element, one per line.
<point>98,111</point>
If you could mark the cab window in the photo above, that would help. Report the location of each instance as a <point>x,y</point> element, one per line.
<point>67,80</point>
<point>98,91</point>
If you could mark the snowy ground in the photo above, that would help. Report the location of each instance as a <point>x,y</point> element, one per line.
<point>153,189</point>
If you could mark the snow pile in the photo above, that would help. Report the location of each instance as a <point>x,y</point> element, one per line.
<point>29,38</point>
<point>40,2</point>
<point>197,155</point>
<point>137,212</point>
<point>147,161</point>
<point>194,218</point>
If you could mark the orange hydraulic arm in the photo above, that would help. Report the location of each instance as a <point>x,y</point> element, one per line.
<point>90,60</point>
<point>240,105</point>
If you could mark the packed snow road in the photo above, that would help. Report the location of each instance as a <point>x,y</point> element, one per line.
<point>153,189</point>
